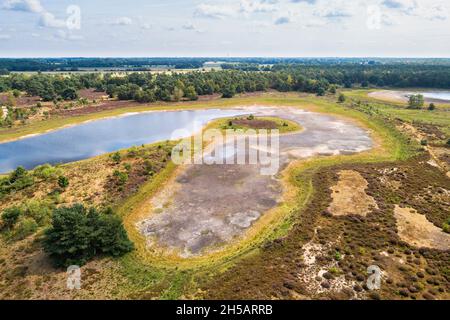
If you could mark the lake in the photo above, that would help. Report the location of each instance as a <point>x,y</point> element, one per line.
<point>94,138</point>
<point>438,95</point>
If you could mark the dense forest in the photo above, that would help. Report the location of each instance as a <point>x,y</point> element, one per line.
<point>75,64</point>
<point>147,87</point>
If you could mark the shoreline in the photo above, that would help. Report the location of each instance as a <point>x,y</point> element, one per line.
<point>123,115</point>
<point>402,96</point>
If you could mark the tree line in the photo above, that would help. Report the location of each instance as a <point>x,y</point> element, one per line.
<point>147,87</point>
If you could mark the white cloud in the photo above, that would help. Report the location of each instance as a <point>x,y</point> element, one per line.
<point>191,27</point>
<point>23,5</point>
<point>335,9</point>
<point>436,10</point>
<point>188,26</point>
<point>123,21</point>
<point>48,20</point>
<point>403,5</point>
<point>258,6</point>
<point>283,20</point>
<point>64,35</point>
<point>146,26</point>
<point>215,11</point>
<point>5,37</point>
<point>306,1</point>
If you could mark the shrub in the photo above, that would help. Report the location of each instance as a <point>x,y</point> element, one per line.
<point>333,89</point>
<point>416,101</point>
<point>47,171</point>
<point>133,152</point>
<point>116,157</point>
<point>432,107</point>
<point>190,93</point>
<point>40,211</point>
<point>342,98</point>
<point>19,179</point>
<point>121,177</point>
<point>63,182</point>
<point>78,234</point>
<point>68,241</point>
<point>127,167</point>
<point>424,142</point>
<point>228,91</point>
<point>10,217</point>
<point>446,226</point>
<point>17,174</point>
<point>25,228</point>
<point>16,93</point>
<point>112,238</point>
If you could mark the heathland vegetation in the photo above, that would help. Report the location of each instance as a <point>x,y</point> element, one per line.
<point>86,212</point>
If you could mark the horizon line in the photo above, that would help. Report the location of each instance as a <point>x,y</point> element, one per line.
<point>225,57</point>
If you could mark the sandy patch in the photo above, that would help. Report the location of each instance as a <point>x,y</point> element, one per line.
<point>349,196</point>
<point>312,275</point>
<point>415,229</point>
<point>394,96</point>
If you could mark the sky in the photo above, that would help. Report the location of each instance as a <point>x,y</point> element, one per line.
<point>236,28</point>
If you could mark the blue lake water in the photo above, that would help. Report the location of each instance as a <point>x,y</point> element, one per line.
<point>439,95</point>
<point>103,136</point>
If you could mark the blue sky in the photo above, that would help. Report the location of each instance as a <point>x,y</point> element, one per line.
<point>412,28</point>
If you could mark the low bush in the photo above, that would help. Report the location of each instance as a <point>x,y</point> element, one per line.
<point>10,217</point>
<point>18,180</point>
<point>47,172</point>
<point>63,182</point>
<point>116,157</point>
<point>25,228</point>
<point>40,211</point>
<point>121,177</point>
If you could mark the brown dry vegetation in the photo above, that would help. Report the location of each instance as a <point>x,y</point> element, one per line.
<point>92,94</point>
<point>26,271</point>
<point>22,101</point>
<point>92,181</point>
<point>344,246</point>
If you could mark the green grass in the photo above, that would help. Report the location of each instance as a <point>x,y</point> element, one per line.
<point>284,126</point>
<point>439,117</point>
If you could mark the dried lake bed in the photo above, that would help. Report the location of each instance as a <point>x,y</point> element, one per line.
<point>207,206</point>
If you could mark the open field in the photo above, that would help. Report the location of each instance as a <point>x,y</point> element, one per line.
<point>297,250</point>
